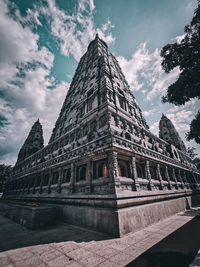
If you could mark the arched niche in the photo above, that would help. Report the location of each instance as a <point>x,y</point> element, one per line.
<point>170,173</point>
<point>163,174</point>
<point>140,170</point>
<point>122,169</point>
<point>46,180</point>
<point>67,175</point>
<point>82,173</point>
<point>153,173</point>
<point>102,170</point>
<point>55,178</point>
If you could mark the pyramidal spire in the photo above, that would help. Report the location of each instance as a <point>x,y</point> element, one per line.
<point>98,84</point>
<point>168,132</point>
<point>33,142</point>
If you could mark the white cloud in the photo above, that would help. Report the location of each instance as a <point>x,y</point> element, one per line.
<point>76,31</point>
<point>26,89</point>
<point>18,48</point>
<point>179,38</point>
<point>27,96</point>
<point>150,112</point>
<point>21,120</point>
<point>181,116</point>
<point>17,43</point>
<point>155,128</point>
<point>181,119</point>
<point>144,70</point>
<point>132,68</point>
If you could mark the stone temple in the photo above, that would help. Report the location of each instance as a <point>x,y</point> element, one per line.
<point>103,168</point>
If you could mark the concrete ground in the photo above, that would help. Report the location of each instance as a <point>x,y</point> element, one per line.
<point>67,245</point>
<point>176,250</point>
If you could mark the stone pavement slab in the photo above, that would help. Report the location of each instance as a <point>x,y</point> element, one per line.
<point>68,245</point>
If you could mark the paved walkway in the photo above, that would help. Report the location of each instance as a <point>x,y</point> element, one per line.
<point>67,245</point>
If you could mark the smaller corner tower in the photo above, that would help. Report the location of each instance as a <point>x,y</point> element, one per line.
<point>168,133</point>
<point>33,142</point>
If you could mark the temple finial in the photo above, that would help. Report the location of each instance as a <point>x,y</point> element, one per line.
<point>163,115</point>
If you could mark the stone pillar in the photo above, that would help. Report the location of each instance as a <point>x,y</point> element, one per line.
<point>35,182</point>
<point>20,186</point>
<point>185,180</point>
<point>29,183</point>
<point>195,181</point>
<point>134,173</point>
<point>89,176</point>
<point>23,185</point>
<point>180,178</point>
<point>148,175</point>
<point>174,176</point>
<point>109,118</point>
<point>117,121</point>
<point>50,180</point>
<point>113,167</point>
<point>189,181</point>
<point>60,173</point>
<point>73,177</point>
<point>41,182</point>
<point>159,176</point>
<point>19,191</point>
<point>168,179</point>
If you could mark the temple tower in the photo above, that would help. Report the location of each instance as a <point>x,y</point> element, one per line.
<point>98,82</point>
<point>103,168</point>
<point>168,133</point>
<point>33,142</point>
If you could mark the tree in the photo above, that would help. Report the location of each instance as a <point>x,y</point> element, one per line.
<point>191,152</point>
<point>195,129</point>
<point>185,54</point>
<point>5,173</point>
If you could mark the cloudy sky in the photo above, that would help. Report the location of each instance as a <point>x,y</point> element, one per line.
<point>42,41</point>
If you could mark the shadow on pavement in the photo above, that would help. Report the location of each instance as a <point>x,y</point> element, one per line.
<point>176,250</point>
<point>14,235</point>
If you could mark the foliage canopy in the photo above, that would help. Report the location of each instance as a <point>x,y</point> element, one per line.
<point>185,54</point>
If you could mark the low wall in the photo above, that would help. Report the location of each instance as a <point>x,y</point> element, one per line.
<point>118,216</point>
<point>100,219</point>
<point>30,217</point>
<point>131,217</point>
